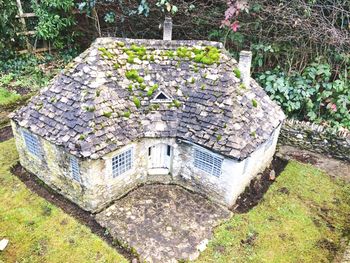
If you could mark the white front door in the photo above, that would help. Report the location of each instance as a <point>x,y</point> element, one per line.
<point>159,156</point>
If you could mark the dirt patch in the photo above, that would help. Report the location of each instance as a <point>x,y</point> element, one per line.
<point>333,167</point>
<point>259,186</point>
<point>304,158</point>
<point>250,239</point>
<point>22,90</point>
<point>6,133</point>
<point>84,217</point>
<point>329,245</point>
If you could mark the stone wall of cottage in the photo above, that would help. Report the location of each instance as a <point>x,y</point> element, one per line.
<point>53,167</point>
<point>316,138</point>
<point>236,175</point>
<point>97,187</point>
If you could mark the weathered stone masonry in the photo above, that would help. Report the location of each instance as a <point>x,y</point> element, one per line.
<point>97,187</point>
<point>316,138</point>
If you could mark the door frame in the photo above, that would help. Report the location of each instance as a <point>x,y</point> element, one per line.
<point>163,153</point>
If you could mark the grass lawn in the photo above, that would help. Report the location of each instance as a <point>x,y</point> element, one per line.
<point>39,231</point>
<point>7,97</point>
<point>302,218</point>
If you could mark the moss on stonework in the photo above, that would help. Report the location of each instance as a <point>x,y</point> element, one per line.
<point>107,114</point>
<point>170,53</point>
<point>121,44</point>
<point>237,73</point>
<point>184,52</point>
<point>39,105</point>
<point>177,103</point>
<point>253,134</point>
<point>242,86</point>
<point>137,102</point>
<point>154,107</point>
<point>209,55</point>
<point>132,74</point>
<point>134,52</point>
<point>151,90</point>
<point>255,103</point>
<point>105,53</point>
<point>89,108</point>
<point>140,79</point>
<point>126,114</point>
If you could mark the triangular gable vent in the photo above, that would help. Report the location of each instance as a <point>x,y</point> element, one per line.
<point>161,97</point>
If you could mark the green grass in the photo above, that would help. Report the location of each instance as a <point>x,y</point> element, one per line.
<point>300,226</point>
<point>38,231</point>
<point>7,97</point>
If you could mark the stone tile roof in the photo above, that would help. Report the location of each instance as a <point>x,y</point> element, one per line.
<point>103,99</point>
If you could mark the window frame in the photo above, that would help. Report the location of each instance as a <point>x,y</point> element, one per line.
<point>74,167</point>
<point>212,165</point>
<point>32,144</point>
<point>122,159</point>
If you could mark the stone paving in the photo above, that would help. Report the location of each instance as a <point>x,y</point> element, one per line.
<point>163,223</point>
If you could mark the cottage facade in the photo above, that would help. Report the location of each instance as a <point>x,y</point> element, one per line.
<point>129,112</point>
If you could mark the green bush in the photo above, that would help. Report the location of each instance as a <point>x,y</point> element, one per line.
<point>55,21</point>
<point>9,26</point>
<point>313,95</point>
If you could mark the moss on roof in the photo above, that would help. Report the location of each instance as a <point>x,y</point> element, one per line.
<point>108,94</point>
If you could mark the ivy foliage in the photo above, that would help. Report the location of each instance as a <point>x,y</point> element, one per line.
<point>55,21</point>
<point>312,95</point>
<point>9,26</point>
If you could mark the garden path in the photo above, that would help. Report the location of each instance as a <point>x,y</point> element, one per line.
<point>163,223</point>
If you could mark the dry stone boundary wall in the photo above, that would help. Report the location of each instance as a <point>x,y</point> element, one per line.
<point>316,138</point>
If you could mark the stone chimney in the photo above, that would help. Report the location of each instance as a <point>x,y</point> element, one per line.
<point>168,28</point>
<point>244,65</point>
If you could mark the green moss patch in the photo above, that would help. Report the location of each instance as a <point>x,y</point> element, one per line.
<point>152,89</point>
<point>208,55</point>
<point>134,76</point>
<point>302,218</point>
<point>237,73</point>
<point>106,53</point>
<point>137,102</point>
<point>255,103</point>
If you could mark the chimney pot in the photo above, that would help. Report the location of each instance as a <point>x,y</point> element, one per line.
<point>244,65</point>
<point>168,28</point>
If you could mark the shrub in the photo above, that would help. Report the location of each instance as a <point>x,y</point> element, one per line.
<point>55,21</point>
<point>312,95</point>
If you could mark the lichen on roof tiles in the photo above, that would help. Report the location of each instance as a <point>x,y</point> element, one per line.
<point>104,99</point>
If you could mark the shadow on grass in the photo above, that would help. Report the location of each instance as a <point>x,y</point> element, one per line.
<point>257,188</point>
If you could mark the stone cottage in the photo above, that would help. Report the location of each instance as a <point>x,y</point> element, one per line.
<point>128,112</point>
